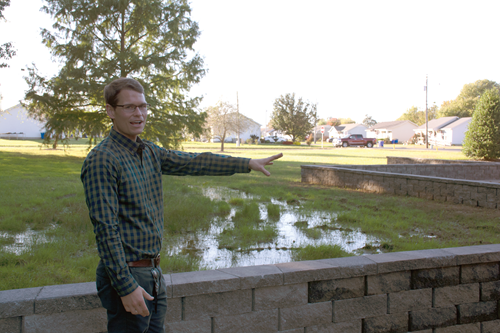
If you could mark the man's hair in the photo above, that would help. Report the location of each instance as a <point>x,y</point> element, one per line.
<point>112,90</point>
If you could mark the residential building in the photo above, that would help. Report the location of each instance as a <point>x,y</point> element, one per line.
<point>401,130</point>
<point>435,129</point>
<point>15,123</point>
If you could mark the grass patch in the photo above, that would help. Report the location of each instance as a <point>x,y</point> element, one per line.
<point>311,252</point>
<point>273,211</point>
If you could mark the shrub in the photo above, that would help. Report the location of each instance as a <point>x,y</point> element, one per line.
<point>249,141</point>
<point>309,140</point>
<point>296,143</point>
<point>287,142</point>
<point>482,139</point>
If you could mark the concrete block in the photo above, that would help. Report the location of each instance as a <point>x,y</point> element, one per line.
<point>476,312</point>
<point>475,254</point>
<point>168,283</point>
<point>280,297</point>
<point>387,323</point>
<point>11,325</point>
<point>217,304</point>
<point>490,291</point>
<point>67,297</point>
<point>435,277</point>
<point>305,315</point>
<point>454,199</point>
<point>346,327</point>
<point>487,190</point>
<point>260,321</point>
<point>201,325</point>
<point>480,273</point>
<point>454,295</point>
<point>471,202</point>
<point>329,290</point>
<point>256,276</point>
<point>174,310</point>
<point>410,260</point>
<point>85,321</point>
<point>410,300</point>
<point>492,326</point>
<point>433,318</point>
<point>326,269</point>
<point>469,328</point>
<point>294,330</point>
<point>357,308</point>
<point>203,282</point>
<point>388,283</point>
<point>18,302</point>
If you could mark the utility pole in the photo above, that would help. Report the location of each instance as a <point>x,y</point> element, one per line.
<point>237,121</point>
<point>426,118</point>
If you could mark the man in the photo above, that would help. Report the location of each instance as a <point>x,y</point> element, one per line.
<point>123,189</point>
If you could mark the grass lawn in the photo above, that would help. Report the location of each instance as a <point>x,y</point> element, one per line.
<point>42,196</point>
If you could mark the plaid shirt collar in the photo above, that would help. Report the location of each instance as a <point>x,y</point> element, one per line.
<point>133,147</point>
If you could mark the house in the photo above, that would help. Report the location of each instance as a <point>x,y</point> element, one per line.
<point>434,128</point>
<point>353,129</point>
<point>15,123</point>
<point>401,130</point>
<point>454,133</point>
<point>251,128</point>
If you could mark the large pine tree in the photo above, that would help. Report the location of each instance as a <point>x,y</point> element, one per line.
<point>482,139</point>
<point>98,41</point>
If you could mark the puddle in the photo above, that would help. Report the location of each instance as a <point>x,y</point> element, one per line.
<point>23,241</point>
<point>294,229</point>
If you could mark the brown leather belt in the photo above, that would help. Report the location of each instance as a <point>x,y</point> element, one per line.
<point>152,262</point>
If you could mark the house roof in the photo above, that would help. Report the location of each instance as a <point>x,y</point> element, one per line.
<point>348,127</point>
<point>458,123</point>
<point>436,124</point>
<point>387,125</point>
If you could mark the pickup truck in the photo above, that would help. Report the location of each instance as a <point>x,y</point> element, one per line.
<point>355,140</point>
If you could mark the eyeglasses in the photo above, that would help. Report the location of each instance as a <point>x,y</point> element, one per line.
<point>130,108</point>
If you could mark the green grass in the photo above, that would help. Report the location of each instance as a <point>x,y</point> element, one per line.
<point>42,191</point>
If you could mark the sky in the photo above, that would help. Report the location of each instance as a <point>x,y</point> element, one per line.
<point>352,58</point>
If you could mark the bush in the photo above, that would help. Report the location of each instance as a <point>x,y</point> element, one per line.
<point>482,139</point>
<point>249,141</point>
<point>309,140</point>
<point>287,142</point>
<point>296,143</point>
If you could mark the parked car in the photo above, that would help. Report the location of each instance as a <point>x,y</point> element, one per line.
<point>355,140</point>
<point>273,138</point>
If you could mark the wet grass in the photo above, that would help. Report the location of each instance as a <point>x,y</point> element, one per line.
<point>41,191</point>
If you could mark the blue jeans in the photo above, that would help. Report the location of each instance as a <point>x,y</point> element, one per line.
<point>121,321</point>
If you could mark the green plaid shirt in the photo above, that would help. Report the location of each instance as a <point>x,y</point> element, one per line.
<point>123,190</point>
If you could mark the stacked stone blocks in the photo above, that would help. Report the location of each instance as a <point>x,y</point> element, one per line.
<point>445,290</point>
<point>422,181</point>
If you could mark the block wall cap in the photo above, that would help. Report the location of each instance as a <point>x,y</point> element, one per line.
<point>257,276</point>
<point>411,260</point>
<point>203,282</point>
<point>18,302</point>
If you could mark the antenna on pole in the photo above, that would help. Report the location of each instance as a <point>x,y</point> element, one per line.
<point>426,117</point>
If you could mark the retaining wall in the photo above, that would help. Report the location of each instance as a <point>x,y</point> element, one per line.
<point>406,180</point>
<point>431,291</point>
<point>411,160</point>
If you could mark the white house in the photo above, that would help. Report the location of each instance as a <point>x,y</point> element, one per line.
<point>454,133</point>
<point>434,127</point>
<point>401,130</point>
<point>253,128</point>
<point>16,123</point>
<point>353,129</point>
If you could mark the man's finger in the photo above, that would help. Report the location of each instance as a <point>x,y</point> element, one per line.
<point>147,296</point>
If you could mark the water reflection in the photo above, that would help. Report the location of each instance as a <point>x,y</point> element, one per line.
<point>25,240</point>
<point>295,229</point>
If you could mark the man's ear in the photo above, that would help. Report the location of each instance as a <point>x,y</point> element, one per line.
<point>110,111</point>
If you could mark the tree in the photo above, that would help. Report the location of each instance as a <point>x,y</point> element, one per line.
<point>369,121</point>
<point>321,122</point>
<point>333,122</point>
<point>293,117</point>
<point>482,139</point>
<point>344,121</point>
<point>464,105</point>
<point>98,41</point>
<point>7,50</point>
<point>223,120</point>
<point>418,117</point>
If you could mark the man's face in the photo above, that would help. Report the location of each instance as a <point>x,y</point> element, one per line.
<point>128,124</point>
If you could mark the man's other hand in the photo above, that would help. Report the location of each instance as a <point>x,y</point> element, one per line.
<point>134,302</point>
<point>259,164</point>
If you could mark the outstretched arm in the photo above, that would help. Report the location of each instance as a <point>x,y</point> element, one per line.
<point>259,164</point>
